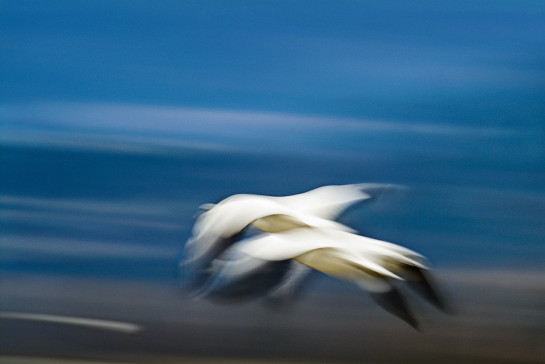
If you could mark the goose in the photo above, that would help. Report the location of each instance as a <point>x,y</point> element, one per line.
<point>372,264</point>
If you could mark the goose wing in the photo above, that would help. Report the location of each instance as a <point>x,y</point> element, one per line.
<point>329,202</point>
<point>330,251</point>
<point>215,229</point>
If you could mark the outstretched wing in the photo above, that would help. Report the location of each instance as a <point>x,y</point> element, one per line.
<point>328,202</point>
<point>333,245</point>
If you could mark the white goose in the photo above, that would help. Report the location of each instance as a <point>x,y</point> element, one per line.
<point>221,224</point>
<point>372,264</point>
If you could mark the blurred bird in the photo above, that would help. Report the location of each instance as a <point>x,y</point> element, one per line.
<point>372,264</point>
<point>298,235</point>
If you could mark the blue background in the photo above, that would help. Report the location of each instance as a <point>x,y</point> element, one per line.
<point>119,118</point>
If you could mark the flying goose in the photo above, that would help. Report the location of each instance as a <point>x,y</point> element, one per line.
<point>374,265</point>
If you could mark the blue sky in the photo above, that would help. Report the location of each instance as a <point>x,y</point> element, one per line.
<point>438,61</point>
<point>91,67</point>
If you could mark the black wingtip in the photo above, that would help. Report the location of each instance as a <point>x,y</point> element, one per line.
<point>393,302</point>
<point>423,284</point>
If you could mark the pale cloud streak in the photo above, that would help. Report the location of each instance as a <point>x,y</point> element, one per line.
<point>91,214</point>
<point>59,247</point>
<point>135,128</point>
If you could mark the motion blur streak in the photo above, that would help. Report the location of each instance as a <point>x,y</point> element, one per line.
<point>78,321</point>
<point>144,129</point>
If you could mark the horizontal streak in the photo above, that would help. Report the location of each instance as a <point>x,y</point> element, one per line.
<point>123,327</point>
